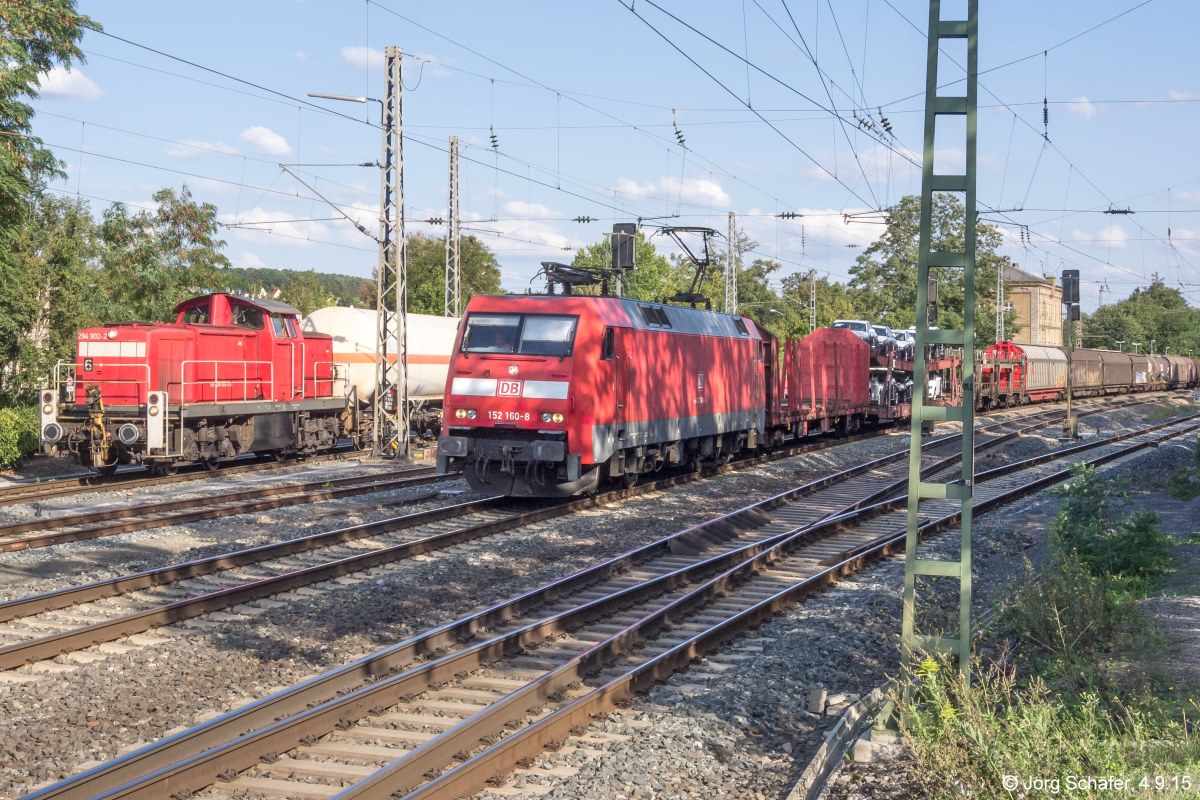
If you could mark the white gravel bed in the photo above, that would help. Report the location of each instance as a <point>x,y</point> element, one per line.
<point>103,702</point>
<point>737,724</point>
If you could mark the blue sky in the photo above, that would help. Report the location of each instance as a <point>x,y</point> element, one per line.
<point>584,100</point>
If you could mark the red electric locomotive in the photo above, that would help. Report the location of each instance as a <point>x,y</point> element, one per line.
<point>548,394</point>
<point>229,376</point>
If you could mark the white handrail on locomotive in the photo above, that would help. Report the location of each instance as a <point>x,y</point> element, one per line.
<point>65,385</point>
<point>292,367</point>
<point>70,382</point>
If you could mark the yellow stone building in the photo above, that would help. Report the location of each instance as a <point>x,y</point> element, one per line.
<point>1037,306</point>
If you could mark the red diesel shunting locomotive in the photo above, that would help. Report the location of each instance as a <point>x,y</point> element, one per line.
<point>230,375</point>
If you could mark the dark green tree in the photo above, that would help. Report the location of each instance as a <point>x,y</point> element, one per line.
<point>154,261</point>
<point>56,252</point>
<point>34,37</point>
<point>427,272</point>
<point>653,278</point>
<point>884,279</point>
<point>1155,313</point>
<point>834,300</point>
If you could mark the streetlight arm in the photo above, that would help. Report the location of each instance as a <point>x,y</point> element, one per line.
<point>330,203</point>
<point>345,97</point>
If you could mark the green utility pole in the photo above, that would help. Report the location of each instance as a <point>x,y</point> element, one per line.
<point>929,265</point>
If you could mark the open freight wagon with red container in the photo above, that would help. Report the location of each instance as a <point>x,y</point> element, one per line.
<point>231,375</point>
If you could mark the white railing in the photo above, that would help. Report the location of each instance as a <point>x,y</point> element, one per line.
<point>221,376</point>
<point>66,373</point>
<point>216,382</point>
<point>339,376</point>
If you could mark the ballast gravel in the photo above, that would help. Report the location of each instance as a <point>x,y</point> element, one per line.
<point>744,729</point>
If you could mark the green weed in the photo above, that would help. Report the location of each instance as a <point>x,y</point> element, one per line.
<point>1080,703</point>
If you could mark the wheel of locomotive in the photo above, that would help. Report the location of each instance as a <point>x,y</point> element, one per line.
<point>629,480</point>
<point>278,456</point>
<point>164,470</point>
<point>106,470</point>
<point>212,463</point>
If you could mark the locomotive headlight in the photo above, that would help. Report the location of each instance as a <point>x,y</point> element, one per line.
<point>546,416</point>
<point>471,413</point>
<point>154,411</point>
<point>48,408</point>
<point>112,334</point>
<point>460,413</point>
<point>557,417</point>
<point>47,397</point>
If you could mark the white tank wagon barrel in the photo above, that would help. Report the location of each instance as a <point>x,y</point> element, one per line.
<point>430,342</point>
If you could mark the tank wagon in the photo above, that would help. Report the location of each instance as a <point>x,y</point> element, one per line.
<point>430,340</point>
<point>231,375</point>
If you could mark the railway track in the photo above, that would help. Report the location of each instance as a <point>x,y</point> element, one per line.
<point>47,531</point>
<point>659,576</point>
<point>44,626</point>
<point>52,530</point>
<point>37,491</point>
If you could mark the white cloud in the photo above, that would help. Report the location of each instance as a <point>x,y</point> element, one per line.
<point>520,208</point>
<point>1109,236</point>
<point>1083,107</point>
<point>288,230</point>
<point>72,85</point>
<point>879,164</point>
<point>266,141</point>
<point>1174,94</point>
<point>699,191</point>
<point>363,57</point>
<point>193,148</point>
<point>248,260</point>
<point>432,65</point>
<point>300,55</point>
<point>1186,197</point>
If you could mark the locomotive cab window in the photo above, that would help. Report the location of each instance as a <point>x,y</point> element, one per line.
<point>196,315</point>
<point>530,334</point>
<point>741,326</point>
<point>547,336</point>
<point>491,333</point>
<point>608,347</point>
<point>281,328</point>
<point>245,316</point>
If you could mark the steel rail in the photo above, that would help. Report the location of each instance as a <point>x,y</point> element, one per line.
<point>33,491</point>
<point>37,490</point>
<point>49,531</point>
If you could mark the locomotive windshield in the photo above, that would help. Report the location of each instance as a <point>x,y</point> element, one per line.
<point>523,334</point>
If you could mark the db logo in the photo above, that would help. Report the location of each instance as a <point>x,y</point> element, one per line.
<point>508,388</point>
